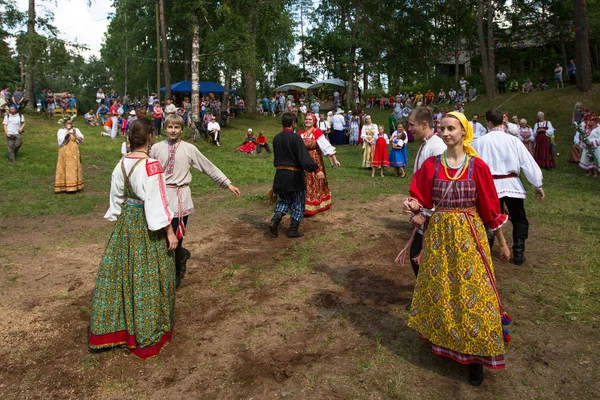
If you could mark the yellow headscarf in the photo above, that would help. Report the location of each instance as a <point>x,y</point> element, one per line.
<point>469,135</point>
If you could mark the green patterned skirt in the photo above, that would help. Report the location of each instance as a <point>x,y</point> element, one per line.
<point>134,299</point>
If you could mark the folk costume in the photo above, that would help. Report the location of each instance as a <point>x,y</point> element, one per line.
<point>506,157</point>
<point>177,158</point>
<point>456,306</point>
<point>543,133</point>
<point>249,143</point>
<point>590,150</point>
<point>291,160</point>
<point>69,173</point>
<point>318,194</point>
<point>526,137</point>
<point>368,137</point>
<point>399,156</point>
<point>133,302</point>
<point>380,155</point>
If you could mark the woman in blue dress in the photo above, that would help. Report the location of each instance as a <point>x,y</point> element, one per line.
<point>399,153</point>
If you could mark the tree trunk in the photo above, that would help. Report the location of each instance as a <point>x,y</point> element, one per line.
<point>563,51</point>
<point>490,82</point>
<point>187,57</point>
<point>165,49</point>
<point>365,78</point>
<point>227,87</point>
<point>490,90</point>
<point>126,58</point>
<point>250,92</point>
<point>249,74</point>
<point>195,70</point>
<point>582,47</point>
<point>30,60</point>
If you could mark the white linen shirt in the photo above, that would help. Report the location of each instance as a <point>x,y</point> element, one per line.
<point>338,122</point>
<point>478,130</point>
<point>542,124</point>
<point>434,146</point>
<point>62,133</point>
<point>150,189</point>
<point>506,154</point>
<point>213,126</point>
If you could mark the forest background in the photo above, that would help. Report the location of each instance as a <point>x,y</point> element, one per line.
<point>254,46</point>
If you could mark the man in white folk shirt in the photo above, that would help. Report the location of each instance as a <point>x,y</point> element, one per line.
<point>420,123</point>
<point>478,129</point>
<point>507,157</point>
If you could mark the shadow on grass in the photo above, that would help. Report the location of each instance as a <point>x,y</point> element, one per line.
<point>376,310</point>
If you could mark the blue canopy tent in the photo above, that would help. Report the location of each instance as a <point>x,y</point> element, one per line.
<point>205,88</point>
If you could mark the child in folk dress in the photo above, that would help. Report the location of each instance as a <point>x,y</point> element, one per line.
<point>380,153</point>
<point>399,153</point>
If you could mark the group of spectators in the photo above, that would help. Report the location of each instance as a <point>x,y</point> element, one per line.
<point>528,86</point>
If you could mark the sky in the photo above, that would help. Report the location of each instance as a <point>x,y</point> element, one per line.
<point>76,22</point>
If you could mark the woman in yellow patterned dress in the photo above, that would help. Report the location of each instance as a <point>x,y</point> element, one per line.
<point>456,306</point>
<point>69,174</point>
<point>369,130</point>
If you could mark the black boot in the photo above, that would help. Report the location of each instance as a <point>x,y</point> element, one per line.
<point>475,374</point>
<point>181,265</point>
<point>293,230</point>
<point>490,237</point>
<point>274,224</point>
<point>518,252</point>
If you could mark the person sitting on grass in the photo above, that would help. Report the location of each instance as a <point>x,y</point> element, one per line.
<point>441,96</point>
<point>543,85</point>
<point>214,130</point>
<point>472,94</point>
<point>429,97</point>
<point>527,86</point>
<point>452,94</point>
<point>90,118</point>
<point>513,86</point>
<point>261,142</point>
<point>249,143</point>
<point>102,114</point>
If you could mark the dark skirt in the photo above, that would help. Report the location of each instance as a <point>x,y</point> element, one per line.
<point>544,155</point>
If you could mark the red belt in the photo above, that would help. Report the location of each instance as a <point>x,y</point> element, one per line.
<point>511,175</point>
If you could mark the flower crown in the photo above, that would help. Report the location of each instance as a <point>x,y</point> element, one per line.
<point>64,120</point>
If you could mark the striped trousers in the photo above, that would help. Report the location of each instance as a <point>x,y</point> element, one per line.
<point>295,200</point>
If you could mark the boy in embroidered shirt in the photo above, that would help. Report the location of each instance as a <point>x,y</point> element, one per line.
<point>176,158</point>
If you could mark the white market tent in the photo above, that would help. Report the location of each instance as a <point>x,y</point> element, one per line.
<point>334,82</point>
<point>292,86</point>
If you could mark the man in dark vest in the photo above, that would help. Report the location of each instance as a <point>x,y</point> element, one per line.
<point>291,160</point>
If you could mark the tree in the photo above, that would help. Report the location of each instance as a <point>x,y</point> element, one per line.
<point>582,47</point>
<point>30,58</point>
<point>165,49</point>
<point>487,50</point>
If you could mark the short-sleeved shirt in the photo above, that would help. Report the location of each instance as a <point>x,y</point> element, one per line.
<point>13,122</point>
<point>558,71</point>
<point>18,96</point>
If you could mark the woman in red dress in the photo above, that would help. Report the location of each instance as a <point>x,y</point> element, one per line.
<point>380,154</point>
<point>318,195</point>
<point>543,132</point>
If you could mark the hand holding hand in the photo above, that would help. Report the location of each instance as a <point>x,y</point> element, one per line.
<point>320,175</point>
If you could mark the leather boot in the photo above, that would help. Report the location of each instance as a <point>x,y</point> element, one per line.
<point>293,230</point>
<point>274,224</point>
<point>518,251</point>
<point>490,236</point>
<point>181,265</point>
<point>475,374</point>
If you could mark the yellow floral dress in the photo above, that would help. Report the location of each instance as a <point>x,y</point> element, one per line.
<point>456,305</point>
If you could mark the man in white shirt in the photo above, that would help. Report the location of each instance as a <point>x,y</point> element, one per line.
<point>170,109</point>
<point>478,129</point>
<point>14,123</point>
<point>507,157</point>
<point>420,123</point>
<point>214,130</point>
<point>463,83</point>
<point>324,125</point>
<point>338,124</point>
<point>501,76</point>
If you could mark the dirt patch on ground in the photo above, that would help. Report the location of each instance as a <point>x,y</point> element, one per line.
<point>317,317</point>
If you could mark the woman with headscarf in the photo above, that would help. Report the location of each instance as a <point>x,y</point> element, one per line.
<point>543,133</point>
<point>456,306</point>
<point>318,195</point>
<point>69,174</point>
<point>369,130</point>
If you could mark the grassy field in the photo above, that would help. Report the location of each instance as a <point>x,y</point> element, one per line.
<point>320,317</point>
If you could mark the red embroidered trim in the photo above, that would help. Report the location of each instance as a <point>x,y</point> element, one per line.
<point>122,337</point>
<point>153,168</point>
<point>163,196</point>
